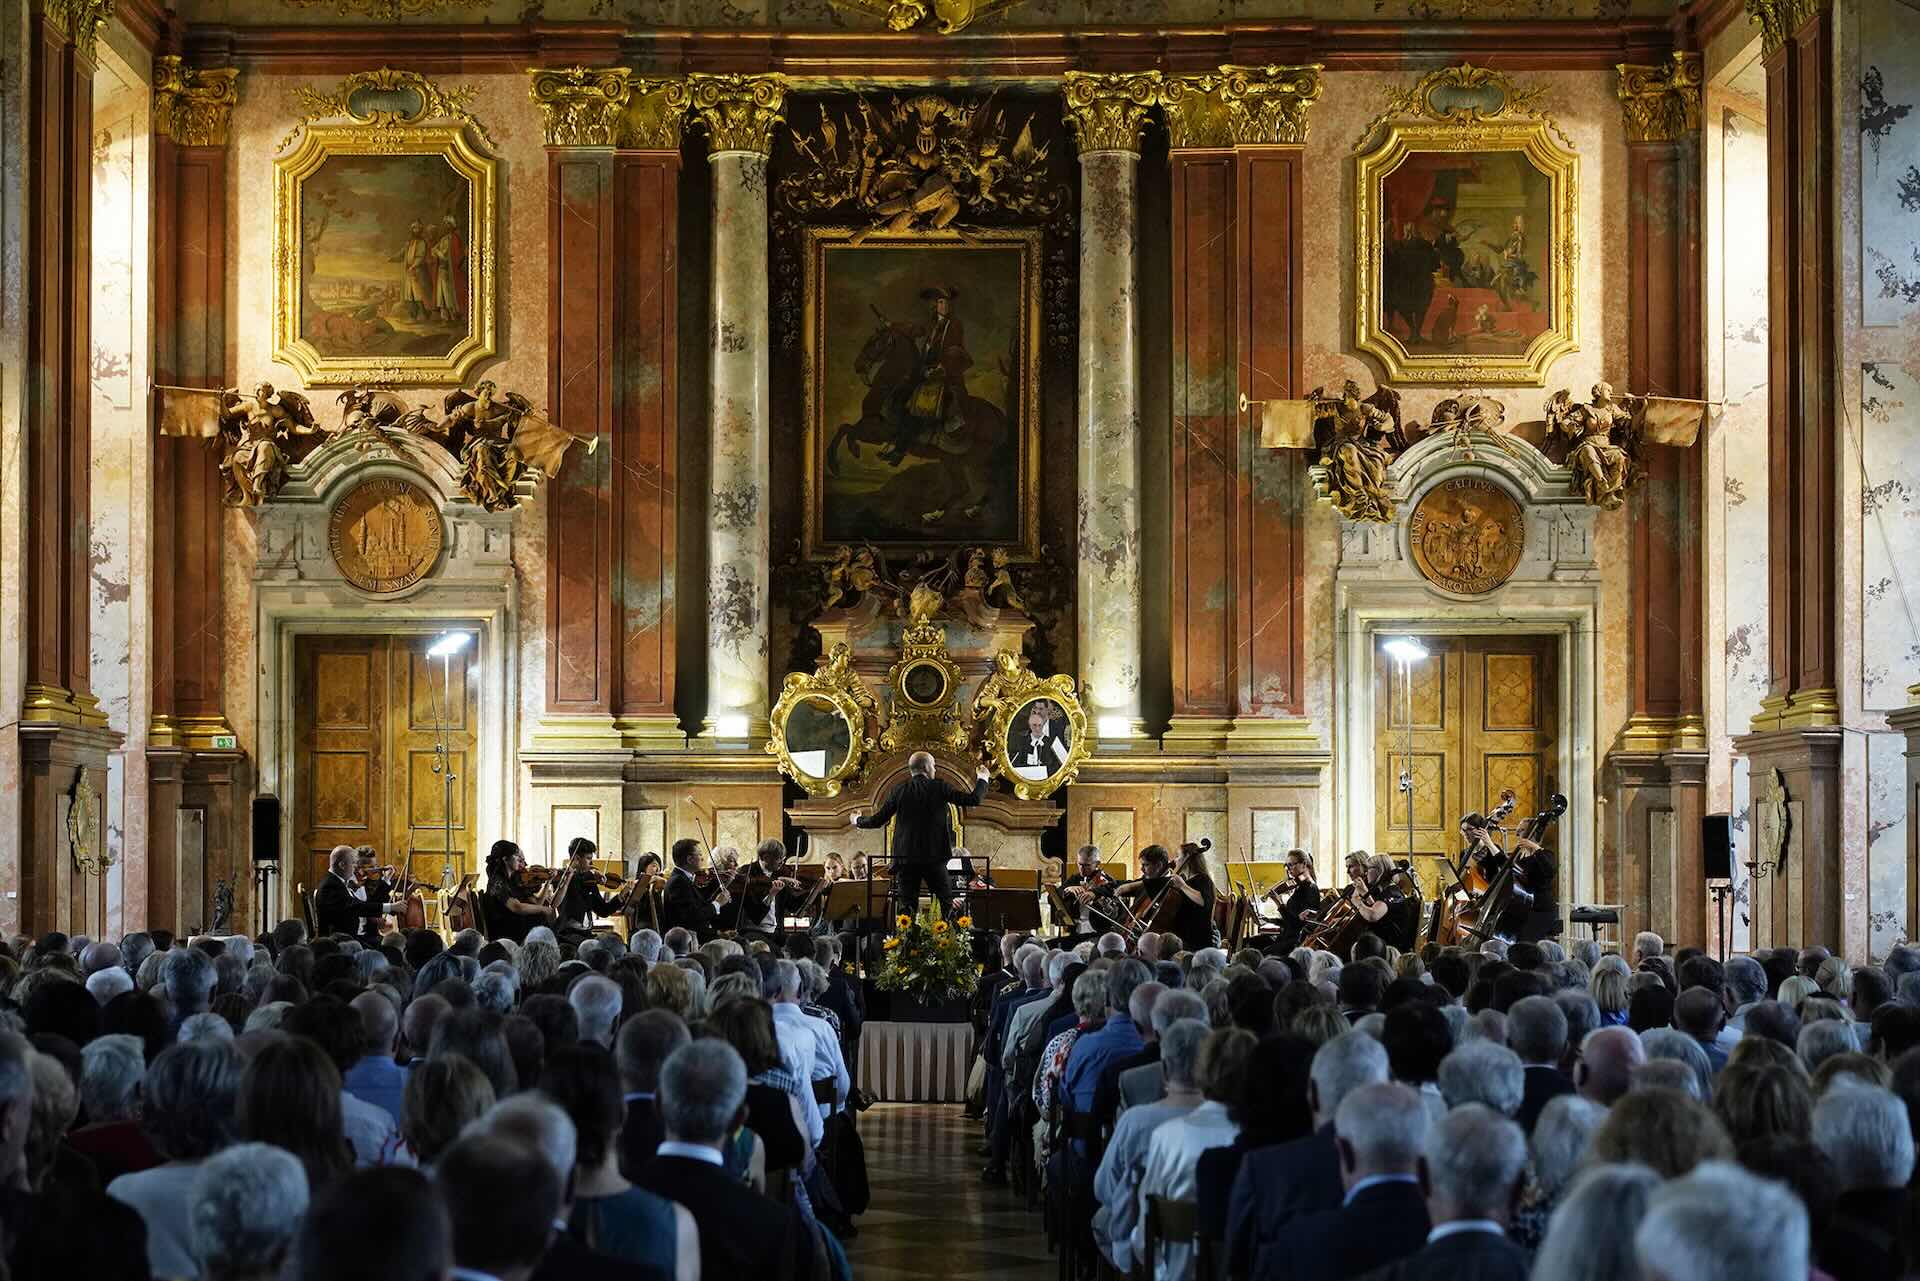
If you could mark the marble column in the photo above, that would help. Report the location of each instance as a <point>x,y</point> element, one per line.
<point>739,114</point>
<point>1238,137</point>
<point>613,148</point>
<point>188,761</point>
<point>1798,730</point>
<point>1656,771</point>
<point>60,739</point>
<point>1106,113</point>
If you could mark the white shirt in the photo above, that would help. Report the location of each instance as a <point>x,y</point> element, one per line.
<point>691,1151</point>
<point>1455,1228</point>
<point>371,1133</point>
<point>1374,1181</point>
<point>824,1060</point>
<point>159,1196</point>
<point>1173,1160</point>
<point>798,1048</point>
<point>1118,1178</point>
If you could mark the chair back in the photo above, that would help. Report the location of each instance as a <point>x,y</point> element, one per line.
<point>1174,1222</point>
<point>305,896</point>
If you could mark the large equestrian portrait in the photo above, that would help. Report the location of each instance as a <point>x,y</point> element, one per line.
<point>923,389</point>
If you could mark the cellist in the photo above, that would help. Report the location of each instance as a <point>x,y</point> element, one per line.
<point>1187,888</point>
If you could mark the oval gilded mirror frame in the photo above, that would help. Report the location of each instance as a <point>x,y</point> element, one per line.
<point>837,686</point>
<point>1005,696</point>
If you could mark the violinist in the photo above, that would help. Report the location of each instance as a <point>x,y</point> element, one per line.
<point>1378,900</point>
<point>766,894</point>
<point>583,900</point>
<point>377,887</point>
<point>833,869</point>
<point>1297,897</point>
<point>1187,887</point>
<point>511,909</point>
<point>687,904</point>
<point>1085,887</point>
<point>341,904</point>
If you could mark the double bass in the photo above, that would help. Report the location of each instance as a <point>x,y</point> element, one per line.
<point>1480,916</point>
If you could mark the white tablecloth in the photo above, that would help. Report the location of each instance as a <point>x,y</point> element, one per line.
<point>916,1062</point>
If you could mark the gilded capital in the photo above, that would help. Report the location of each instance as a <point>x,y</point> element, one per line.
<point>740,113</point>
<point>82,20</point>
<point>608,107</point>
<point>1779,19</point>
<point>191,106</point>
<point>1107,109</point>
<point>1241,106</point>
<point>1661,104</point>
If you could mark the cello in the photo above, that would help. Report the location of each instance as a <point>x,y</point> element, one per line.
<point>1480,917</point>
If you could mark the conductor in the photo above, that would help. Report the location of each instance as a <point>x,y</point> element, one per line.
<point>922,837</point>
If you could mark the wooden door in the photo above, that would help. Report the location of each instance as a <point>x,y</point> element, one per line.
<point>365,715</point>
<point>1484,712</point>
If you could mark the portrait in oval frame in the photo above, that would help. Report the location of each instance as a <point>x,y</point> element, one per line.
<point>1034,730</point>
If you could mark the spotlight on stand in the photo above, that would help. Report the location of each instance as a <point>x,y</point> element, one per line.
<point>1405,651</point>
<point>444,648</point>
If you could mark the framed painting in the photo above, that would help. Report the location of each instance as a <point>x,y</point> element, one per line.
<point>383,246</point>
<point>1466,240</point>
<point>922,389</point>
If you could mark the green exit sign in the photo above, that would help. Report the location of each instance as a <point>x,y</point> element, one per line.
<point>225,742</point>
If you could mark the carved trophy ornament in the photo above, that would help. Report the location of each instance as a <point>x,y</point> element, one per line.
<point>943,16</point>
<point>496,436</point>
<point>83,827</point>
<point>1771,822</point>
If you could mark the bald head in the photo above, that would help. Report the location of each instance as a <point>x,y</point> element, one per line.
<point>423,1015</point>
<point>1607,1060</point>
<point>920,764</point>
<point>340,861</point>
<point>378,1021</point>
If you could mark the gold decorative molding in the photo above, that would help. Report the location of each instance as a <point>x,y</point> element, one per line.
<point>89,853</point>
<point>193,106</point>
<point>1107,109</point>
<point>188,733</point>
<point>389,10</point>
<point>608,107</point>
<point>1241,106</point>
<point>45,704</point>
<point>372,99</point>
<point>1662,103</point>
<point>1779,19</point>
<point>1657,735</point>
<point>944,16</point>
<point>81,20</point>
<point>739,112</point>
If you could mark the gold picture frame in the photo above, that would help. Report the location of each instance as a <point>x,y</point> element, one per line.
<point>383,333</point>
<point>972,475</point>
<point>1464,151</point>
<point>1004,707</point>
<point>837,689</point>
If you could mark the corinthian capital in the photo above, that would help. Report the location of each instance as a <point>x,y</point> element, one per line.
<point>1661,104</point>
<point>191,106</point>
<point>1107,109</point>
<point>740,113</point>
<point>608,107</point>
<point>1779,19</point>
<point>1241,106</point>
<point>82,20</point>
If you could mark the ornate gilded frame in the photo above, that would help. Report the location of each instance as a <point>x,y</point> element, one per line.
<point>378,127</point>
<point>819,244</point>
<point>837,684</point>
<point>912,722</point>
<point>1460,109</point>
<point>1002,697</point>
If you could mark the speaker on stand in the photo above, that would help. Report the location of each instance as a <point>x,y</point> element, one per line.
<point>1716,857</point>
<point>266,858</point>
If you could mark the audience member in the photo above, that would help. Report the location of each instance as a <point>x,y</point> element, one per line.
<point>243,1208</point>
<point>188,1101</point>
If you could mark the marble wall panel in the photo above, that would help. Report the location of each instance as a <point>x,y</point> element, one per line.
<point>1889,85</point>
<point>1886,842</point>
<point>1890,534</point>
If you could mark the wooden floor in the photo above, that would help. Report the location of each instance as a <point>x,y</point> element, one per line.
<point>930,1215</point>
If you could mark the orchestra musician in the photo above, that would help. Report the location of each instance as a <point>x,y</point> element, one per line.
<point>380,889</point>
<point>1189,886</point>
<point>767,896</point>
<point>341,905</point>
<point>1377,898</point>
<point>511,906</point>
<point>1088,883</point>
<point>583,900</point>
<point>643,902</point>
<point>1297,897</point>
<point>1532,910</point>
<point>686,903</point>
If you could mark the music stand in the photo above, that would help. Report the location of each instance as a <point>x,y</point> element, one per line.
<point>1005,909</point>
<point>850,900</point>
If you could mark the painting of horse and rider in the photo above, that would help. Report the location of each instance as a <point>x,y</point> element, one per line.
<point>922,386</point>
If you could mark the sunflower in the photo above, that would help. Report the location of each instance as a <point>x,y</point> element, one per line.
<point>939,927</point>
<point>964,922</point>
<point>890,944</point>
<point>903,921</point>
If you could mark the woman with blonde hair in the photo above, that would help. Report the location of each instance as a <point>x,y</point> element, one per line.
<point>1609,986</point>
<point>1835,978</point>
<point>1320,1023</point>
<point>1795,991</point>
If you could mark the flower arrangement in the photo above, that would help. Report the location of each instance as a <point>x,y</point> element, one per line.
<point>927,958</point>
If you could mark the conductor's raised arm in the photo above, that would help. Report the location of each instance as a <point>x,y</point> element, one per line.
<point>979,793</point>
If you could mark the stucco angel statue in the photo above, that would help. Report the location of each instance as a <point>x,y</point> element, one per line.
<point>1360,438</point>
<point>259,428</point>
<point>496,436</point>
<point>1599,438</point>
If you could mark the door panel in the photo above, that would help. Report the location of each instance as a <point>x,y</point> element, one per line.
<point>366,712</point>
<point>1484,720</point>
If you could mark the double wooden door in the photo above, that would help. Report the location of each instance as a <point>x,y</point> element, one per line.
<point>368,711</point>
<point>1485,718</point>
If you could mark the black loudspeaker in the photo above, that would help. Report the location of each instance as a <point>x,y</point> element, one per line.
<point>1716,846</point>
<point>266,829</point>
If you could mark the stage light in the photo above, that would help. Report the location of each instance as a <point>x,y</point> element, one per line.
<point>1405,649</point>
<point>449,645</point>
<point>730,726</point>
<point>1115,726</point>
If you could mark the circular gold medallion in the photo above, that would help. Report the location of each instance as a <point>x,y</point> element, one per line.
<point>1467,535</point>
<point>384,535</point>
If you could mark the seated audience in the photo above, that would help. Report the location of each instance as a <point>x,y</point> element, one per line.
<point>243,1208</point>
<point>188,1103</point>
<point>1720,1223</point>
<point>1470,1174</point>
